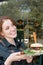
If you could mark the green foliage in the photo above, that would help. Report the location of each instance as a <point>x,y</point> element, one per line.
<point>13,9</point>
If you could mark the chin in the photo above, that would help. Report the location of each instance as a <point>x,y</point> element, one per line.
<point>14,36</point>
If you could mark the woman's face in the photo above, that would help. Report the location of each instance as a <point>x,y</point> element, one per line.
<point>8,29</point>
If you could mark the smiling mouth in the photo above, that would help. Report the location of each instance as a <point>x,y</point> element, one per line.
<point>13,33</point>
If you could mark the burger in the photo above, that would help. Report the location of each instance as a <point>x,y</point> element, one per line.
<point>36,47</point>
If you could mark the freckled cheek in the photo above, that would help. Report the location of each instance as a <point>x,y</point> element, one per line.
<point>6,32</point>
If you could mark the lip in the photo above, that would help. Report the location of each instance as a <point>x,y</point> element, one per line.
<point>13,33</point>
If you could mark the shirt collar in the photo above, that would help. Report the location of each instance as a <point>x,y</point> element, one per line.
<point>6,42</point>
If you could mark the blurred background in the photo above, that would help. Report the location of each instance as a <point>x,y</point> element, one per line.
<point>28,15</point>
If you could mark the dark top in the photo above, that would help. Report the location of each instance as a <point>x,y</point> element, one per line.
<point>6,49</point>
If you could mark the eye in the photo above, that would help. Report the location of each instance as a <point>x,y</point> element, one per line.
<point>7,28</point>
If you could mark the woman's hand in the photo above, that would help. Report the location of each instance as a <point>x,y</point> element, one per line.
<point>14,57</point>
<point>29,59</point>
<point>21,56</point>
<point>17,57</point>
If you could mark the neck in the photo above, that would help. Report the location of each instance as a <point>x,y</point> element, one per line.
<point>10,40</point>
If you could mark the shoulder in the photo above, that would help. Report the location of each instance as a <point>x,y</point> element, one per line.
<point>2,43</point>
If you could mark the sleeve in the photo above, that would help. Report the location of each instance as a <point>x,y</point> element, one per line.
<point>22,46</point>
<point>3,52</point>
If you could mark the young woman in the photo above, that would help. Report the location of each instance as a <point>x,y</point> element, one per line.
<point>9,46</point>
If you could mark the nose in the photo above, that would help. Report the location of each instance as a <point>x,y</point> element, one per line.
<point>13,28</point>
